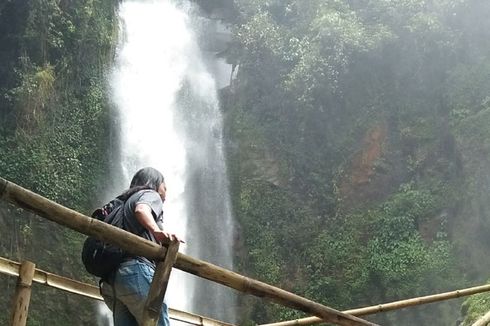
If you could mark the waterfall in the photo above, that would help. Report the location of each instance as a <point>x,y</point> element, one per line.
<point>169,118</point>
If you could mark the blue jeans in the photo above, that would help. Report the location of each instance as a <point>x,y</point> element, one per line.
<point>131,286</point>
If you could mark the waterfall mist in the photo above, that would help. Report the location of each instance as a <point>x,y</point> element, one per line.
<point>169,118</point>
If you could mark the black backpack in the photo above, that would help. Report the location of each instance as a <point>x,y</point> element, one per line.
<point>100,258</point>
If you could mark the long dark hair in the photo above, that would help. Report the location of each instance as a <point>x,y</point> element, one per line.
<point>146,178</point>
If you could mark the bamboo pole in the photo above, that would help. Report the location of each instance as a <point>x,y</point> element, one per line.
<point>11,268</point>
<point>20,302</point>
<point>391,305</point>
<point>483,321</point>
<point>154,301</point>
<point>195,319</point>
<point>141,247</point>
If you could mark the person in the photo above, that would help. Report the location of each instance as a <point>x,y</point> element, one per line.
<point>126,290</point>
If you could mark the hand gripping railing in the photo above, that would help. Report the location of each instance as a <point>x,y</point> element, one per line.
<point>141,247</point>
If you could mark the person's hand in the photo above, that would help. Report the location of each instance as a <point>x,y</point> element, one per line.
<point>161,235</point>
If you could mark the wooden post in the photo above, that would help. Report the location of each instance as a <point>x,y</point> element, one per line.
<point>154,302</point>
<point>141,247</point>
<point>20,303</point>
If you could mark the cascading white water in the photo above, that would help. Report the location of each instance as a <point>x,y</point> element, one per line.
<point>169,119</point>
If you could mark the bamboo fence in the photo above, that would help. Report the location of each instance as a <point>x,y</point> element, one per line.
<point>64,216</point>
<point>138,246</point>
<point>392,305</point>
<point>12,268</point>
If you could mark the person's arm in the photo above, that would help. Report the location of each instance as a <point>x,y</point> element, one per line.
<point>144,216</point>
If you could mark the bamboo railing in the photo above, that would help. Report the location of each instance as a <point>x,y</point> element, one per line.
<point>138,246</point>
<point>55,212</point>
<point>391,306</point>
<point>483,321</point>
<point>12,268</point>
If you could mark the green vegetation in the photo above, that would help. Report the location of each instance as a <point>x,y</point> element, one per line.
<point>358,150</point>
<point>54,133</point>
<point>474,308</point>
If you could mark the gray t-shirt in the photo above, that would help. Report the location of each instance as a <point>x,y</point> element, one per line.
<point>150,198</point>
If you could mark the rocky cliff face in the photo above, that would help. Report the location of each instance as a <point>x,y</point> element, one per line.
<point>370,175</point>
